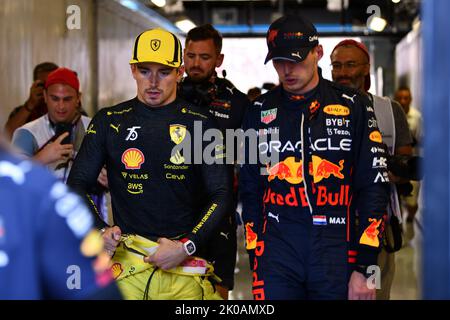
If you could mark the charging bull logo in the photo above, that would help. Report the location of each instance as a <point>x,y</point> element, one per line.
<point>271,37</point>
<point>291,170</point>
<point>370,235</point>
<point>323,168</point>
<point>250,236</point>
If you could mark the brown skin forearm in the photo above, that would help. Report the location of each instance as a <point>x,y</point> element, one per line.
<point>16,121</point>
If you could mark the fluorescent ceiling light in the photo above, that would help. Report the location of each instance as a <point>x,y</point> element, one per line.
<point>159,3</point>
<point>395,1</point>
<point>377,24</point>
<point>130,4</point>
<point>185,25</point>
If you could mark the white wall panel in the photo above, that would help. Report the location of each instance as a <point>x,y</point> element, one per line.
<point>409,65</point>
<point>33,31</point>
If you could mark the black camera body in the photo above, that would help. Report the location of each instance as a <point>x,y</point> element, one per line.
<point>200,94</point>
<point>406,167</point>
<point>62,127</point>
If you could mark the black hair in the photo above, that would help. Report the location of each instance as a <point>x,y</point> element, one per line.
<point>205,32</point>
<point>404,88</point>
<point>44,67</point>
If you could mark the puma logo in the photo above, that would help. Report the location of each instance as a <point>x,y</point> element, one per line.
<point>230,89</point>
<point>271,215</point>
<point>114,127</point>
<point>256,103</point>
<point>296,54</point>
<point>225,235</point>
<point>348,97</point>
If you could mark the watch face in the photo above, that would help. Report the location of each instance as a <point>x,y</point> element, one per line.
<point>190,247</point>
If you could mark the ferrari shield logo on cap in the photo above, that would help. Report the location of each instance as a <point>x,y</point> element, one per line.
<point>177,133</point>
<point>155,44</point>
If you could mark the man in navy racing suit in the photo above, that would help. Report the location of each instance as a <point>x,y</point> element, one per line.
<point>42,228</point>
<point>317,164</point>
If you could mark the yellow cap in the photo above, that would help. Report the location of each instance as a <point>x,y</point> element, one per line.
<point>157,45</point>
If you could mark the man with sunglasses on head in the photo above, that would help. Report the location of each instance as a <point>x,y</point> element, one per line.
<point>350,61</point>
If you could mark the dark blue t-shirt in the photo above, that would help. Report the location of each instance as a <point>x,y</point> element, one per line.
<point>42,225</point>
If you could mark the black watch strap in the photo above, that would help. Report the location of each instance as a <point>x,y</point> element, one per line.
<point>363,270</point>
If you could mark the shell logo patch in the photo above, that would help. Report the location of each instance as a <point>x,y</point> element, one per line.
<point>133,158</point>
<point>116,270</point>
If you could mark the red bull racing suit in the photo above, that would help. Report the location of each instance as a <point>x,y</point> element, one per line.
<point>320,158</point>
<point>154,190</point>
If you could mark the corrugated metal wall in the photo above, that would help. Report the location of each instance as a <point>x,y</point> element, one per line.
<point>33,31</point>
<point>409,67</point>
<point>117,30</point>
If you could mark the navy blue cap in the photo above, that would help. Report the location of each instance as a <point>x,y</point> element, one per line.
<point>291,38</point>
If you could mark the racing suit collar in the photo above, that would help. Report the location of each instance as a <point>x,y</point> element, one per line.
<point>145,110</point>
<point>295,101</point>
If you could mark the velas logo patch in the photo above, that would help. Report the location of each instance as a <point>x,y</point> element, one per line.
<point>267,116</point>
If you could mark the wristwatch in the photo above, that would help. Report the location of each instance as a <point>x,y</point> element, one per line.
<point>189,247</point>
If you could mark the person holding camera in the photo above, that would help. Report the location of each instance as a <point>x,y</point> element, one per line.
<point>35,106</point>
<point>350,61</point>
<point>54,138</point>
<point>218,96</point>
